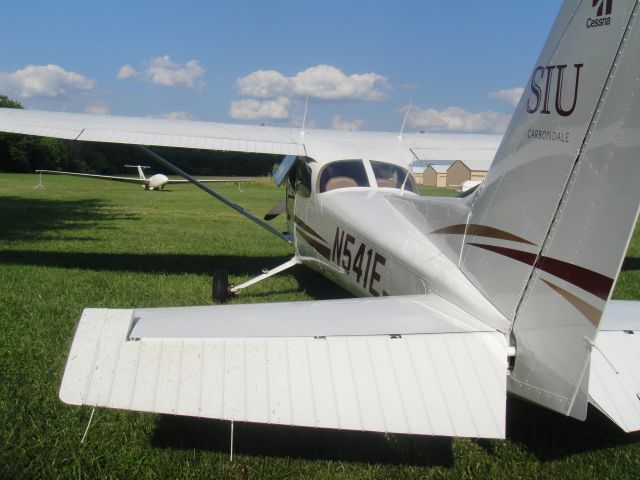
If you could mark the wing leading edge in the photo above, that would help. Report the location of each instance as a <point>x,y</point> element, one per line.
<point>443,374</point>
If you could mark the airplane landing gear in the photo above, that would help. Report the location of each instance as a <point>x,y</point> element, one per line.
<point>220,290</point>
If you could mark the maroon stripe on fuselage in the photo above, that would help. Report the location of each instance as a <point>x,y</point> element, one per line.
<point>321,249</point>
<point>308,229</point>
<point>474,229</point>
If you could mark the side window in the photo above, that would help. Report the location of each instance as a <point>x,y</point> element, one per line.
<point>343,174</point>
<point>300,178</point>
<point>392,176</point>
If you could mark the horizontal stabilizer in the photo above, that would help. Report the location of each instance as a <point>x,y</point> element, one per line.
<point>614,386</point>
<point>448,383</point>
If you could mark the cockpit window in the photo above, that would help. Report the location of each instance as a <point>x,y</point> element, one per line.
<point>392,176</point>
<point>343,174</point>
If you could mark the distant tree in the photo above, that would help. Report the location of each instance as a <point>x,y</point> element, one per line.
<point>6,102</point>
<point>24,153</point>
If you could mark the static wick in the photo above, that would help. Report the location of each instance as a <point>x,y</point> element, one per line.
<point>593,345</point>
<point>86,430</point>
<point>231,449</point>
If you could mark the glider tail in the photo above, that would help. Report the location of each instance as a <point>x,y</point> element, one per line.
<point>140,172</point>
<point>550,226</point>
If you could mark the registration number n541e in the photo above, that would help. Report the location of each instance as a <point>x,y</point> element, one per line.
<point>358,260</point>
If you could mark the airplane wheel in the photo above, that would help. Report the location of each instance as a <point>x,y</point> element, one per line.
<point>220,287</point>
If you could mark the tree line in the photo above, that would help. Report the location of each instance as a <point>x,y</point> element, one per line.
<point>26,153</point>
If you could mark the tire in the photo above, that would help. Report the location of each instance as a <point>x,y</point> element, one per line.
<point>220,287</point>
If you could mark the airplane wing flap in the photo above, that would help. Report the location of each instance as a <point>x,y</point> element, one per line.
<point>192,141</point>
<point>614,384</point>
<point>451,383</point>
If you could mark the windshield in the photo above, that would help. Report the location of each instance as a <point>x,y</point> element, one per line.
<point>392,176</point>
<point>343,174</point>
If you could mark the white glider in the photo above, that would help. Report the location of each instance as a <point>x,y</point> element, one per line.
<point>154,182</point>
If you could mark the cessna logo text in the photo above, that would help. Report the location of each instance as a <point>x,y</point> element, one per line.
<point>358,260</point>
<point>603,12</point>
<point>547,79</point>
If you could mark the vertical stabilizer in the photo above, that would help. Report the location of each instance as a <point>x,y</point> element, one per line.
<point>550,226</point>
<point>140,172</point>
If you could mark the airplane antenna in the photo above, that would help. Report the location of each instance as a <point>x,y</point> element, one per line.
<point>406,115</point>
<point>39,186</point>
<point>304,117</point>
<point>408,173</point>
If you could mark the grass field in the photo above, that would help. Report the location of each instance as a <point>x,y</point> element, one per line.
<point>86,243</point>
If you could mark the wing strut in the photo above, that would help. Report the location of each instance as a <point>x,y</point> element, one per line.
<point>213,193</point>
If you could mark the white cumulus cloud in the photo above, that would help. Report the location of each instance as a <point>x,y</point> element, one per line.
<point>456,119</point>
<point>98,109</point>
<point>511,95</point>
<point>162,71</point>
<point>251,109</point>
<point>44,81</point>
<point>126,71</point>
<point>339,123</point>
<point>324,82</point>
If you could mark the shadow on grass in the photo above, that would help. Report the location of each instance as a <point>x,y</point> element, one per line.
<point>26,219</point>
<point>630,263</point>
<point>141,262</point>
<point>311,282</point>
<point>551,436</point>
<point>301,442</point>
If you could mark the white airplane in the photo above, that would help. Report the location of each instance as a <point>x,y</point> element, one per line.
<point>465,299</point>
<point>154,182</point>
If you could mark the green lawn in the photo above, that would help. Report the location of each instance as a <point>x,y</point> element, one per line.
<point>87,243</point>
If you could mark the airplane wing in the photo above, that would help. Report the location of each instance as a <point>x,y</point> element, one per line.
<point>139,181</point>
<point>414,364</point>
<point>152,131</point>
<point>328,144</point>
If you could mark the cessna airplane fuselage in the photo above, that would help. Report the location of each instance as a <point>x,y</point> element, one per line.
<point>360,237</point>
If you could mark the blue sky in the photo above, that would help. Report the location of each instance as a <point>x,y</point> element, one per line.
<point>360,63</point>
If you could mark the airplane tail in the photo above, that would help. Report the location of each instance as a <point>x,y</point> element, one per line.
<point>140,172</point>
<point>548,230</point>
